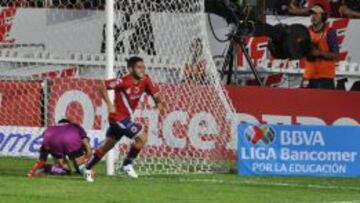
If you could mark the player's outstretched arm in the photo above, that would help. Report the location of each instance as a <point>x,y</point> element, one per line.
<point>159,102</point>
<point>87,147</point>
<point>105,96</point>
<point>66,165</point>
<point>154,92</point>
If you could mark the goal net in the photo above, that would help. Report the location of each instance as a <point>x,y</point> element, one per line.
<point>53,55</point>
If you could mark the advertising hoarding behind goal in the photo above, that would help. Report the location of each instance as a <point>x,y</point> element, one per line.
<point>294,150</point>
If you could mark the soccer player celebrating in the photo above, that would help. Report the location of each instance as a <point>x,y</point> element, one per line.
<point>128,91</point>
<point>63,140</point>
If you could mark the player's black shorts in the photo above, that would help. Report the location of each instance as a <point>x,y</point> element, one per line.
<point>125,127</point>
<point>72,155</point>
<point>77,153</point>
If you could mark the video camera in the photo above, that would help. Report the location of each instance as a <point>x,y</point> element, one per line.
<point>286,41</point>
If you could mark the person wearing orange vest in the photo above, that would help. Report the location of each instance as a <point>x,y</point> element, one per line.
<point>320,65</point>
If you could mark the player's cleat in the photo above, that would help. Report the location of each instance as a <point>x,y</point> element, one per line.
<point>129,170</point>
<point>38,172</point>
<point>88,174</point>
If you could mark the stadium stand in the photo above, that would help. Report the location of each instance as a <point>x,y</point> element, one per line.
<point>335,8</point>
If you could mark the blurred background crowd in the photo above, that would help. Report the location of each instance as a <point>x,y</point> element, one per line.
<point>335,8</point>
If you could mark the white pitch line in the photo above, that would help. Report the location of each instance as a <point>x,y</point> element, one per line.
<point>249,182</point>
<point>279,184</point>
<point>356,201</point>
<point>303,185</point>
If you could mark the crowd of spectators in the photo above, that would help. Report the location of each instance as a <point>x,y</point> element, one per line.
<point>335,8</point>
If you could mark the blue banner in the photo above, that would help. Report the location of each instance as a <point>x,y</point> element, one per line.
<point>299,150</point>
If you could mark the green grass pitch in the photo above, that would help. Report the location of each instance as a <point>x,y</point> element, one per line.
<point>15,187</point>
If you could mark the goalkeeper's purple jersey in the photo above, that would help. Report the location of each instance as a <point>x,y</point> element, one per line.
<point>63,139</point>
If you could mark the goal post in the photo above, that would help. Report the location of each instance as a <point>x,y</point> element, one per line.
<point>109,9</point>
<point>84,42</point>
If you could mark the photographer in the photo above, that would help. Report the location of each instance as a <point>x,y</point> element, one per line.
<point>320,64</point>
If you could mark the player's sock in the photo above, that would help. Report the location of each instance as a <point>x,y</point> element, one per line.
<point>36,167</point>
<point>95,158</point>
<point>131,156</point>
<point>81,169</point>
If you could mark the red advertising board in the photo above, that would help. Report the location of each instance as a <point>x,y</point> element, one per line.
<point>192,123</point>
<point>76,99</point>
<point>20,103</point>
<point>295,105</point>
<point>81,98</point>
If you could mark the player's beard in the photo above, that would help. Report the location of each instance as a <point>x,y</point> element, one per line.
<point>136,76</point>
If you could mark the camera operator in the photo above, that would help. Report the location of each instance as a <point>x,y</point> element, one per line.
<point>321,62</point>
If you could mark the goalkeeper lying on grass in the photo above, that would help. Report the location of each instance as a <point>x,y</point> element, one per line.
<point>63,140</point>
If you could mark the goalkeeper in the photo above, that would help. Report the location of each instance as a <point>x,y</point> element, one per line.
<point>63,140</point>
<point>128,91</point>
